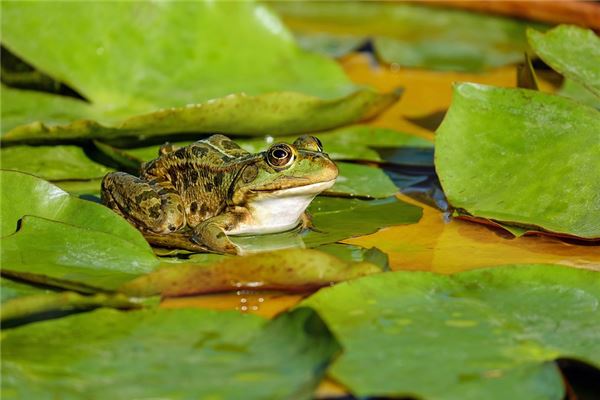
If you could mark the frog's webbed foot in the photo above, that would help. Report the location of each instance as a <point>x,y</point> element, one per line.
<point>306,222</point>
<point>211,233</point>
<point>176,240</point>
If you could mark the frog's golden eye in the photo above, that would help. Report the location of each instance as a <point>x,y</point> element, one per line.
<point>310,143</point>
<point>280,155</point>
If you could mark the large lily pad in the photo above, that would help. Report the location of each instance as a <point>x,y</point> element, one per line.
<point>175,354</point>
<point>277,113</point>
<point>500,154</point>
<point>66,241</point>
<point>52,162</point>
<point>24,194</point>
<point>205,52</point>
<point>409,35</point>
<point>489,333</point>
<point>57,253</point>
<point>289,270</point>
<point>572,51</point>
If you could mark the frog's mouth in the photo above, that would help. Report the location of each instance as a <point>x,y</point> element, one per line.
<point>309,189</point>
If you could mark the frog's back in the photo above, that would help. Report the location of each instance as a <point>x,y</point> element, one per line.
<point>201,173</point>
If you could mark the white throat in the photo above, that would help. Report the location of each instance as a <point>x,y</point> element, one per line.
<point>280,210</point>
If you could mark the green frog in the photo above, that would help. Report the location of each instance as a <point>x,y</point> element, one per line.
<point>213,188</point>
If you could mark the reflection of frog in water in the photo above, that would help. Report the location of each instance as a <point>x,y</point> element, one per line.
<point>217,189</point>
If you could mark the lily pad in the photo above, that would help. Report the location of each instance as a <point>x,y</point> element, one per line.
<point>296,270</point>
<point>56,253</point>
<point>489,333</point>
<point>572,51</point>
<point>133,93</point>
<point>356,180</point>
<point>410,35</point>
<point>277,113</point>
<point>500,154</point>
<point>160,354</point>
<point>66,241</point>
<point>30,306</point>
<point>336,219</point>
<point>14,289</point>
<point>24,194</point>
<point>52,162</point>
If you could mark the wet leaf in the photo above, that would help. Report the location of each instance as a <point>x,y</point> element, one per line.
<point>13,289</point>
<point>362,181</point>
<point>277,113</point>
<point>572,51</point>
<point>142,95</point>
<point>336,219</point>
<point>410,35</point>
<point>500,154</point>
<point>489,333</point>
<point>29,306</point>
<point>159,353</point>
<point>57,253</point>
<point>296,270</point>
<point>193,67</point>
<point>52,162</point>
<point>24,194</point>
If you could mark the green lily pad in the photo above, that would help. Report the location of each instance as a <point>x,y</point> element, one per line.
<point>136,94</point>
<point>52,162</point>
<point>489,333</point>
<point>410,35</point>
<point>24,194</point>
<point>29,306</point>
<point>578,92</point>
<point>159,354</point>
<point>358,180</point>
<point>501,155</point>
<point>335,219</point>
<point>296,270</point>
<point>56,253</point>
<point>572,51</point>
<point>66,241</point>
<point>192,65</point>
<point>277,113</point>
<point>14,289</point>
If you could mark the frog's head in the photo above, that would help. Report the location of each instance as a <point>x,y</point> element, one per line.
<point>301,167</point>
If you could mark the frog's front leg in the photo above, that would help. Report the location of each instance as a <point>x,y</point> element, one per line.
<point>153,205</point>
<point>212,232</point>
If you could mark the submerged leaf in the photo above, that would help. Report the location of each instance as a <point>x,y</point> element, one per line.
<point>572,51</point>
<point>159,354</point>
<point>489,333</point>
<point>294,270</point>
<point>410,35</point>
<point>500,154</point>
<point>52,162</point>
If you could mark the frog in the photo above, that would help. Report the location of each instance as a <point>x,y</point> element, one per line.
<point>213,189</point>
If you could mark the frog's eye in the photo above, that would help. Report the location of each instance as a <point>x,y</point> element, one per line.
<point>280,155</point>
<point>310,143</point>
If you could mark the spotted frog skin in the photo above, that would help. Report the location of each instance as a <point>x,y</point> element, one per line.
<point>213,188</point>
